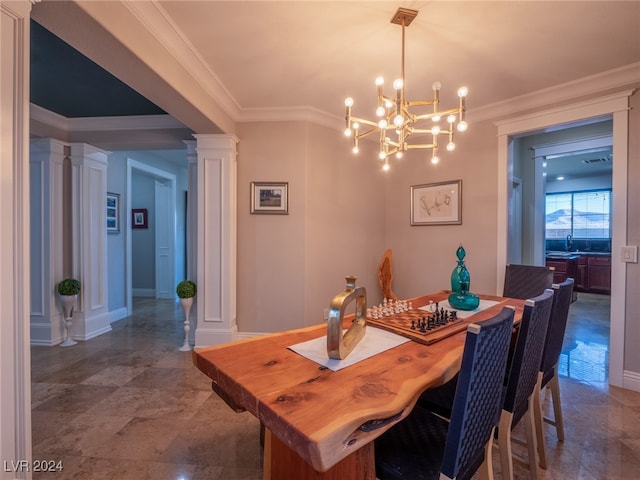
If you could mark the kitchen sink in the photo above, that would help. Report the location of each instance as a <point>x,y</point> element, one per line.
<point>552,254</point>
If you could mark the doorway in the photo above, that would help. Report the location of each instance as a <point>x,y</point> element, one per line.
<point>161,259</point>
<point>615,105</point>
<point>571,158</point>
<point>570,169</point>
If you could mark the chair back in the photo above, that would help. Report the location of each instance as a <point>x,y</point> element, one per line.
<point>478,399</point>
<point>527,355</point>
<point>557,325</point>
<point>526,281</point>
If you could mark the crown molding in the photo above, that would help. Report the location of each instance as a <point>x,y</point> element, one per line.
<point>290,114</point>
<point>97,124</point>
<point>594,84</point>
<point>616,102</point>
<point>159,23</point>
<point>48,117</point>
<point>131,122</point>
<point>583,87</point>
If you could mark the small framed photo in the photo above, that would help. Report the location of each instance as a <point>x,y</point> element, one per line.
<point>113,215</point>
<point>437,203</point>
<point>139,218</point>
<point>270,198</point>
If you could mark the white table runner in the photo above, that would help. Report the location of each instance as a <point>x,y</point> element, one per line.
<point>484,304</point>
<point>374,341</point>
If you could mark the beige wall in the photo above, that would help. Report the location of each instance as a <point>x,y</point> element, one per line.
<point>271,248</point>
<point>344,211</point>
<point>424,256</point>
<point>291,266</point>
<point>345,224</point>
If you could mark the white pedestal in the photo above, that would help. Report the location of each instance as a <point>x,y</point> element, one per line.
<point>68,302</point>
<point>186,303</point>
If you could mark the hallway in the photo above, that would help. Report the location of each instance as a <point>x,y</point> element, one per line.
<point>129,405</point>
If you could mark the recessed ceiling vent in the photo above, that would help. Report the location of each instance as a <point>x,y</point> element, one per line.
<point>597,160</point>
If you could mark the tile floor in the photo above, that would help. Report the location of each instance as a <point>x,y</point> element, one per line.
<point>129,405</point>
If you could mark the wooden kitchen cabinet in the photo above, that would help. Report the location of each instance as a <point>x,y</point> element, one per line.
<point>599,274</point>
<point>564,268</point>
<point>592,273</point>
<point>581,276</point>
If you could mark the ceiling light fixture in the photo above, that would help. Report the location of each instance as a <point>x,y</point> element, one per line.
<point>404,118</point>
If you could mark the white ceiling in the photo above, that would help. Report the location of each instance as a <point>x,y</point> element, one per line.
<point>574,164</point>
<point>265,57</point>
<point>315,53</point>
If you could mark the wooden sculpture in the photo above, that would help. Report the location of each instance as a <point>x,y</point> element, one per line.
<point>385,275</point>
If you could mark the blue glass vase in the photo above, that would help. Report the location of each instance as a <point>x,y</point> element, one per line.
<point>460,297</point>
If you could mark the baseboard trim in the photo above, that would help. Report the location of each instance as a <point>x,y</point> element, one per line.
<point>42,334</point>
<point>118,314</point>
<point>143,292</point>
<point>90,327</point>
<point>631,380</point>
<point>243,335</point>
<point>206,337</point>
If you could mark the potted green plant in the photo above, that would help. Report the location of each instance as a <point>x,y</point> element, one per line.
<point>68,290</point>
<point>186,290</point>
<point>69,287</point>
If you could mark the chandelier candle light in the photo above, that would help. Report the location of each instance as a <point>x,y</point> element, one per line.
<point>407,118</point>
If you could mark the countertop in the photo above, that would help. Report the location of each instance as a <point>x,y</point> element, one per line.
<point>560,255</point>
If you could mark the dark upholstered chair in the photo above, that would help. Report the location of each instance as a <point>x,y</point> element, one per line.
<point>425,446</point>
<point>522,381</point>
<point>526,281</point>
<point>548,375</point>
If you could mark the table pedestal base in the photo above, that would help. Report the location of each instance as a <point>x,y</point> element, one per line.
<point>282,463</point>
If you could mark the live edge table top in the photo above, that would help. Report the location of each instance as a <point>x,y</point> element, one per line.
<point>324,415</point>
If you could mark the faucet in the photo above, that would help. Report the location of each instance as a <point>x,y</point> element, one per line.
<point>569,243</point>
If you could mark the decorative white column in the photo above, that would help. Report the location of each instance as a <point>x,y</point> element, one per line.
<point>89,239</point>
<point>46,174</point>
<point>216,237</point>
<point>15,360</point>
<point>191,227</point>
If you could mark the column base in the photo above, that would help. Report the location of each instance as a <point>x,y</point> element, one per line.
<point>207,336</point>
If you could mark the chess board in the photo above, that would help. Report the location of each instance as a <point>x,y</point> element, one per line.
<point>400,324</point>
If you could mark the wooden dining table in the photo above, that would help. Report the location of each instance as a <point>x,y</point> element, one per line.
<point>320,423</point>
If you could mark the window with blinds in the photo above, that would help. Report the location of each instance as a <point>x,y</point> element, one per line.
<point>579,214</point>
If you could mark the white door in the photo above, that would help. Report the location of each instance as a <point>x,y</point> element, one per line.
<point>514,247</point>
<point>164,241</point>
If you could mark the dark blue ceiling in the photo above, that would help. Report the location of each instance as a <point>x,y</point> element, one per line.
<point>66,82</point>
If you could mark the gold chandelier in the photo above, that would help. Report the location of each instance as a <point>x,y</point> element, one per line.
<point>407,120</point>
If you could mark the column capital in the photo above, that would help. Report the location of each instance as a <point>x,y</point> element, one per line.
<point>192,151</point>
<point>47,145</point>
<point>84,150</point>
<point>214,141</point>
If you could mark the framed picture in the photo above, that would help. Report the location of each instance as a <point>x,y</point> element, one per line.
<point>437,203</point>
<point>139,218</point>
<point>113,209</point>
<point>270,198</point>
